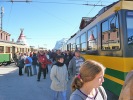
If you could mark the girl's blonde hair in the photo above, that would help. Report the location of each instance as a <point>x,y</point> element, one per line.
<point>88,71</point>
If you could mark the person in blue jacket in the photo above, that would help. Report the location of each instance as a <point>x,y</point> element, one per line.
<point>28,64</point>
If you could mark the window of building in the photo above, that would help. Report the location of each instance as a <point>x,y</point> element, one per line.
<point>6,37</point>
<point>1,35</point>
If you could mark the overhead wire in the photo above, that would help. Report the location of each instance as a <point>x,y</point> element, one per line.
<point>86,15</point>
<point>46,2</point>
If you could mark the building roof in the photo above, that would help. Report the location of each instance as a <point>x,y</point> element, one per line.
<point>21,38</point>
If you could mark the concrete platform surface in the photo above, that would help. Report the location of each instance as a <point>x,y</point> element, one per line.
<point>15,87</point>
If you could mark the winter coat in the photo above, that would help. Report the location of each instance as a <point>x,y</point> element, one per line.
<point>43,61</point>
<point>21,63</point>
<point>34,59</point>
<point>127,89</point>
<point>59,77</point>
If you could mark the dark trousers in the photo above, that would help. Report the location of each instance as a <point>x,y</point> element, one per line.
<point>47,68</point>
<point>41,70</point>
<point>20,70</point>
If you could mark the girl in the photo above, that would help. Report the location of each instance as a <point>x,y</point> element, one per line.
<point>87,85</point>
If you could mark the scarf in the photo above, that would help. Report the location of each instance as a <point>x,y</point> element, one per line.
<point>59,64</point>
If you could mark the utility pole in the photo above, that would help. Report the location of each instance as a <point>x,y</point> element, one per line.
<point>2,12</point>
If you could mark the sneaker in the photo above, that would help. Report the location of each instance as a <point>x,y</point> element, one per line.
<point>38,80</point>
<point>44,78</point>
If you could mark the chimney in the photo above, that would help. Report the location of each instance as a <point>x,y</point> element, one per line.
<point>12,40</point>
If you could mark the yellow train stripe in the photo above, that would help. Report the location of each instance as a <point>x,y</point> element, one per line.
<point>114,79</point>
<point>117,63</point>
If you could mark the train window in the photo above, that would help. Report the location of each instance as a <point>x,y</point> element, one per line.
<point>78,43</point>
<point>1,49</point>
<point>110,39</point>
<point>92,39</point>
<point>83,42</point>
<point>69,47</point>
<point>129,18</point>
<point>78,47</point>
<point>7,49</point>
<point>73,47</point>
<point>83,38</point>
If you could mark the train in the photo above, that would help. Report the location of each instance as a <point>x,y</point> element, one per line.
<point>9,48</point>
<point>108,39</point>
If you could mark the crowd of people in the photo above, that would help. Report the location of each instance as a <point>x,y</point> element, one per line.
<point>86,76</point>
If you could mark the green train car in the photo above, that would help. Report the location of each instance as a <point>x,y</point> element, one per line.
<point>8,49</point>
<point>5,58</point>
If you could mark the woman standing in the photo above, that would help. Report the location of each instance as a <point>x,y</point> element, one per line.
<point>21,63</point>
<point>59,77</point>
<point>87,85</point>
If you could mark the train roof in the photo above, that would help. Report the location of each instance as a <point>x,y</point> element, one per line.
<point>104,13</point>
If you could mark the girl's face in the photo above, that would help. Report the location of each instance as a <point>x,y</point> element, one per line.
<point>98,80</point>
<point>61,60</point>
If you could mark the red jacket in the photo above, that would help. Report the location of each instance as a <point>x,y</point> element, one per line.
<point>42,59</point>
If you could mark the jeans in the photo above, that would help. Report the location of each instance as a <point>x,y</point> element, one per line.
<point>60,94</point>
<point>29,70</point>
<point>34,69</point>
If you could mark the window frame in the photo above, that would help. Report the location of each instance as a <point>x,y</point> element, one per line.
<point>94,27</point>
<point>84,42</point>
<point>117,34</point>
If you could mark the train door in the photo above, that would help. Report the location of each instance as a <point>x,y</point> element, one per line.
<point>13,50</point>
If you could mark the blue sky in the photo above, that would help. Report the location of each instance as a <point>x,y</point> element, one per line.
<point>46,23</point>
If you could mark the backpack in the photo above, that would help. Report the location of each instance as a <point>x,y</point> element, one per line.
<point>27,61</point>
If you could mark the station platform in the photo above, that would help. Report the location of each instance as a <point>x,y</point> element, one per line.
<point>15,87</point>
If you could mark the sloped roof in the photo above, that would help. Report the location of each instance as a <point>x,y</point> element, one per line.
<point>91,37</point>
<point>84,22</point>
<point>22,39</point>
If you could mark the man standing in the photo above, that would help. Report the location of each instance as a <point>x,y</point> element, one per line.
<point>34,63</point>
<point>75,64</point>
<point>43,61</point>
<point>21,63</point>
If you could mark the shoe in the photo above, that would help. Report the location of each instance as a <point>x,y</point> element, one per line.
<point>44,78</point>
<point>38,80</point>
